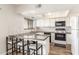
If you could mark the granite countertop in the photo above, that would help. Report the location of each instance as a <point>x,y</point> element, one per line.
<point>31,36</point>
<point>37,37</point>
<point>52,32</point>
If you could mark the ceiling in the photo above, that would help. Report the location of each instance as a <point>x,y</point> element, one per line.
<point>34,9</point>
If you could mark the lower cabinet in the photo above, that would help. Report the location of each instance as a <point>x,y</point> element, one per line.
<point>52,37</point>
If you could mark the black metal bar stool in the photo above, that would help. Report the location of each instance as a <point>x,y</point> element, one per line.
<point>11,45</point>
<point>30,48</point>
<point>23,46</point>
<point>34,46</point>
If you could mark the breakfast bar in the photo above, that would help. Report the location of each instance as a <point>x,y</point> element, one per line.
<point>32,43</point>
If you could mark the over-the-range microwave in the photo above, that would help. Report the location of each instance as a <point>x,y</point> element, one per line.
<point>59,23</point>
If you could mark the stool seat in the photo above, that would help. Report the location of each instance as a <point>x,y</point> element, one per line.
<point>9,42</point>
<point>31,46</point>
<point>20,43</point>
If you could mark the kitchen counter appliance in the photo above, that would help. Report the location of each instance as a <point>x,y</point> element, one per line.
<point>60,32</point>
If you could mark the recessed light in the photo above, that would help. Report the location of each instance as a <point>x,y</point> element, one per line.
<point>29,12</point>
<point>32,11</point>
<point>49,13</point>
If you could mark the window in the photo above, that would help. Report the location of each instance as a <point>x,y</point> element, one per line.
<point>28,24</point>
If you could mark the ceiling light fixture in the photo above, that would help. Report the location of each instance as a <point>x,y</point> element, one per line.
<point>32,11</point>
<point>38,6</point>
<point>49,14</point>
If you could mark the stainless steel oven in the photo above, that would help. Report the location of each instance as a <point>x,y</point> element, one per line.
<point>60,33</point>
<point>60,36</point>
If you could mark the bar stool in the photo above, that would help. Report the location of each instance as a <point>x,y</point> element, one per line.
<point>35,47</point>
<point>31,48</point>
<point>11,45</point>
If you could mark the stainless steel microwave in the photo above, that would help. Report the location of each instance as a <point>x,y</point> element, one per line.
<point>59,23</point>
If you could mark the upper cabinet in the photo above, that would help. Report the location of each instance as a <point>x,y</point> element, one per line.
<point>74,22</point>
<point>45,23</point>
<point>42,23</point>
<point>68,22</point>
<point>50,22</point>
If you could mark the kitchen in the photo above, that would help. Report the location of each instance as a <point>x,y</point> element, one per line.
<point>50,27</point>
<point>54,28</point>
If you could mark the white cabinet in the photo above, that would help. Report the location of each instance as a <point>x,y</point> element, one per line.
<point>45,22</point>
<point>67,21</point>
<point>74,22</point>
<point>52,37</point>
<point>52,22</point>
<point>68,38</point>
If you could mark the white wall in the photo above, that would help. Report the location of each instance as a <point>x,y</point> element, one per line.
<point>10,23</point>
<point>16,24</point>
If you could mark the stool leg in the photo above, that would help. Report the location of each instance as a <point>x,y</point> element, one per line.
<point>19,49</point>
<point>23,46</point>
<point>28,50</point>
<point>34,52</point>
<point>12,44</point>
<point>36,48</point>
<point>16,45</point>
<point>6,45</point>
<point>41,50</point>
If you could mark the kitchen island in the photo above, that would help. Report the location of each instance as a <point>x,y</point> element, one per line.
<point>33,36</point>
<point>42,39</point>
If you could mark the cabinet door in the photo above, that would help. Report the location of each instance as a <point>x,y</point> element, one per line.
<point>68,21</point>
<point>52,22</point>
<point>68,38</point>
<point>52,37</point>
<point>74,22</point>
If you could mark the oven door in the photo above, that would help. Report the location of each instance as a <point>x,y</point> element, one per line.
<point>60,36</point>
